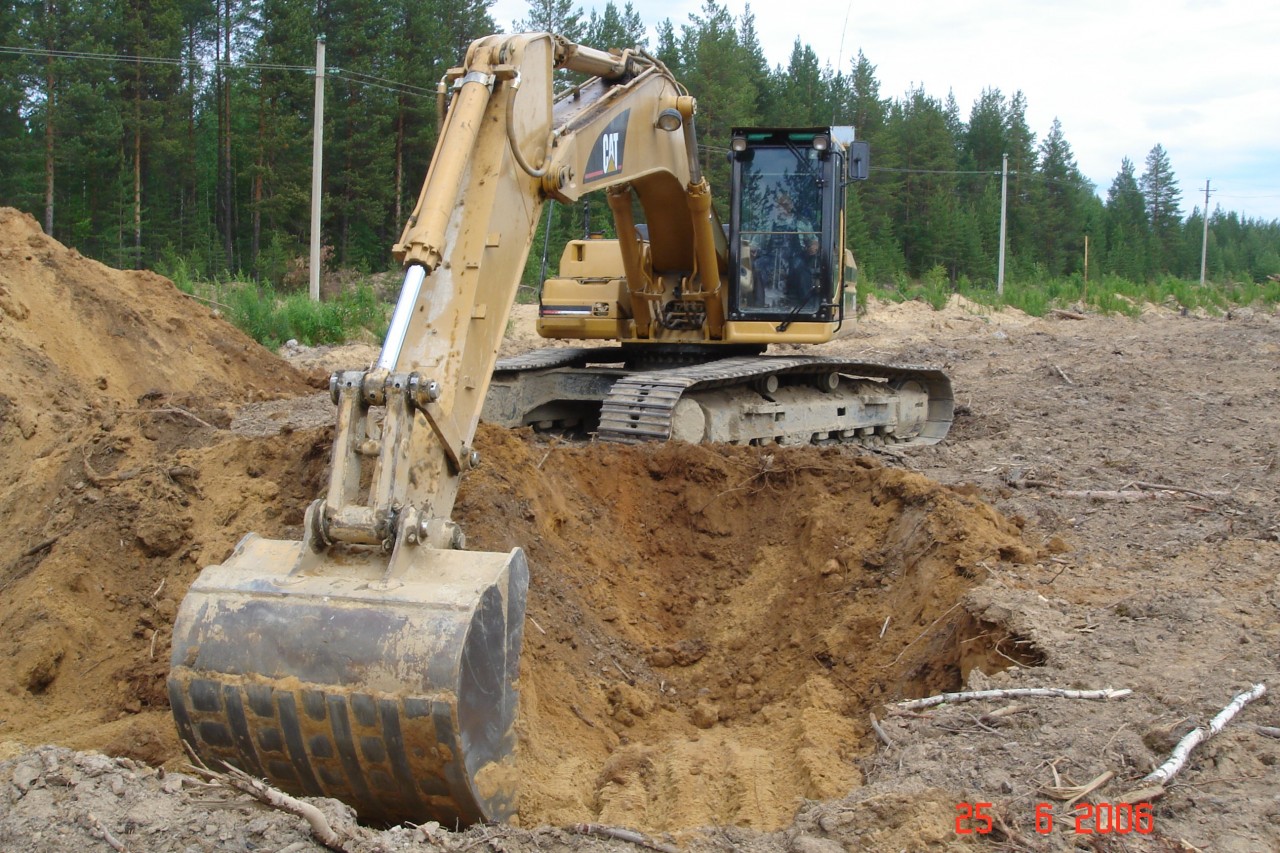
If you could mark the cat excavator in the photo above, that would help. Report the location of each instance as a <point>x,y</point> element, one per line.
<point>376,660</point>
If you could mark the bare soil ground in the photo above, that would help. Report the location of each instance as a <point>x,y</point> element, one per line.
<point>710,627</point>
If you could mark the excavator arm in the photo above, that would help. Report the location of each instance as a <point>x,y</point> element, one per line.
<point>375,661</point>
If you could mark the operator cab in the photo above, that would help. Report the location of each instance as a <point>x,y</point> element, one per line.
<point>788,200</point>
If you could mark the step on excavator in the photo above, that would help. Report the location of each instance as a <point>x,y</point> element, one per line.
<point>376,660</point>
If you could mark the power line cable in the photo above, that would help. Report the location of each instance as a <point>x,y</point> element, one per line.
<point>373,78</point>
<point>358,77</point>
<point>145,60</point>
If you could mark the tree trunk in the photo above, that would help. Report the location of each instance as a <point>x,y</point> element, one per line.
<point>49,101</point>
<point>399,169</point>
<point>137,167</point>
<point>48,151</point>
<point>224,113</point>
<point>255,245</point>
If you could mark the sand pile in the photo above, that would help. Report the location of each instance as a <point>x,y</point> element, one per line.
<point>115,484</point>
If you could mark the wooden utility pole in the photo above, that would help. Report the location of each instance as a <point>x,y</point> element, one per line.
<point>317,151</point>
<point>1004,205</point>
<point>1204,243</point>
<point>1085,292</point>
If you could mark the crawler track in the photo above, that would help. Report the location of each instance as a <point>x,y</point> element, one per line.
<point>751,399</point>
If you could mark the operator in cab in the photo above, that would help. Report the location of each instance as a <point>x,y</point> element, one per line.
<point>785,253</point>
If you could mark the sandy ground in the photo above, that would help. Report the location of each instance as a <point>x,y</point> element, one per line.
<point>711,628</point>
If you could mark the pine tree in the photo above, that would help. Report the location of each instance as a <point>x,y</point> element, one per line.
<point>1163,205</point>
<point>1059,224</point>
<point>757,65</point>
<point>553,16</point>
<point>1125,231</point>
<point>718,70</point>
<point>150,28</point>
<point>19,146</point>
<point>927,153</point>
<point>280,196</point>
<point>616,29</point>
<point>799,92</point>
<point>879,251</point>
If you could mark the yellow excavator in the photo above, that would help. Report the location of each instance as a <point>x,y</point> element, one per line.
<point>376,660</point>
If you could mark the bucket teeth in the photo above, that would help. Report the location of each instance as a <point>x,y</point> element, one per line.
<point>400,701</point>
<point>389,756</point>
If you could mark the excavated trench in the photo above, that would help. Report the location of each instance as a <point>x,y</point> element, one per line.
<point>709,626</point>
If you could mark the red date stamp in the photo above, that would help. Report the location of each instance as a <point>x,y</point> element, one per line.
<point>1086,819</point>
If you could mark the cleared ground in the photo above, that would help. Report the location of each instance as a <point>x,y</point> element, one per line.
<point>710,627</point>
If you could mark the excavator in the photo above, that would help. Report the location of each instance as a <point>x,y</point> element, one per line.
<point>376,661</point>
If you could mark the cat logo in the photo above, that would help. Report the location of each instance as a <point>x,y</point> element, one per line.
<point>609,146</point>
<point>606,154</point>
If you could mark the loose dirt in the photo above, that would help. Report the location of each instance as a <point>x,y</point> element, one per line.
<point>710,627</point>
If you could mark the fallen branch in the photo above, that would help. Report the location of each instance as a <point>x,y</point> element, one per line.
<point>40,546</point>
<point>1069,794</point>
<point>1267,731</point>
<point>1010,693</point>
<point>208,301</point>
<point>1178,758</point>
<point>577,713</point>
<point>1067,315</point>
<point>1128,495</point>
<point>1062,373</point>
<point>97,830</point>
<point>106,479</point>
<point>1158,487</point>
<point>177,410</point>
<point>880,732</point>
<point>618,834</point>
<point>321,829</point>
<point>1009,833</point>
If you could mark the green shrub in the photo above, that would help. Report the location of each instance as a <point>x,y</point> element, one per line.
<point>271,320</point>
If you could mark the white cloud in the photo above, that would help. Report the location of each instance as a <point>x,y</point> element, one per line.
<point>1199,77</point>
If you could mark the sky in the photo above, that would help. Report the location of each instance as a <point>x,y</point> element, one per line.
<point>1200,77</point>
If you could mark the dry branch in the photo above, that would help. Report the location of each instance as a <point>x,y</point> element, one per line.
<point>1129,495</point>
<point>618,834</point>
<point>177,410</point>
<point>1067,315</point>
<point>880,732</point>
<point>1010,693</point>
<point>1069,794</point>
<point>1181,752</point>
<point>106,479</point>
<point>1160,487</point>
<point>40,546</point>
<point>97,830</point>
<point>1063,374</point>
<point>321,829</point>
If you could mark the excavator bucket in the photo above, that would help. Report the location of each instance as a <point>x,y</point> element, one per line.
<point>397,697</point>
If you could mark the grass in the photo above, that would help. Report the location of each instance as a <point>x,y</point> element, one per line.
<point>271,318</point>
<point>1109,294</point>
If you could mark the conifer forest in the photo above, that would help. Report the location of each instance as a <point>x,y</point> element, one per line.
<point>144,131</point>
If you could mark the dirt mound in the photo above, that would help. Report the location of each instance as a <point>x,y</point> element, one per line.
<point>115,484</point>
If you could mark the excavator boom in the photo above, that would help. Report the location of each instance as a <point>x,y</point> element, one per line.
<point>375,661</point>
